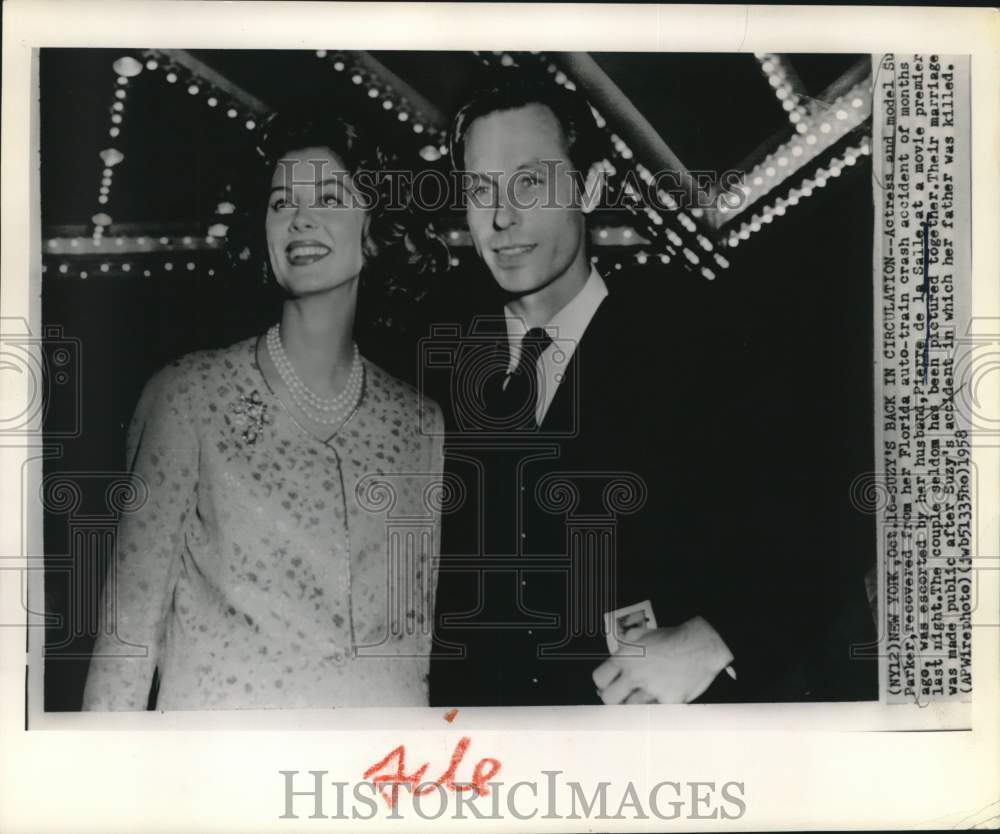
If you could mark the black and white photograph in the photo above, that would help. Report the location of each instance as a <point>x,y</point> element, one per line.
<point>417,413</point>
<point>624,327</point>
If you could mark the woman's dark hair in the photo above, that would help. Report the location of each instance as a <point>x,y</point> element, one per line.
<point>399,247</point>
<point>584,142</point>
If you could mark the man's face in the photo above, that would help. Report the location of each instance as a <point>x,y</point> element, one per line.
<point>523,209</point>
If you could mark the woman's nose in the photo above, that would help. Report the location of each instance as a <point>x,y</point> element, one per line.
<point>302,219</point>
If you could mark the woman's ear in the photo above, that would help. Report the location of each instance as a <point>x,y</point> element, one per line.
<point>593,188</point>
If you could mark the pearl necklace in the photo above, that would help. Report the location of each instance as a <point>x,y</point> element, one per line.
<point>331,410</point>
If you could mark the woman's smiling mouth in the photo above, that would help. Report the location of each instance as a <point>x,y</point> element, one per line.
<point>303,253</point>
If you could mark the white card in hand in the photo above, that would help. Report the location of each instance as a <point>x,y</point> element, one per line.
<point>617,622</point>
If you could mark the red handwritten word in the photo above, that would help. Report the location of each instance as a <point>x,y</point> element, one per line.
<point>484,770</point>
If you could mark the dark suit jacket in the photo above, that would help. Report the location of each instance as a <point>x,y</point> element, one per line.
<point>634,488</point>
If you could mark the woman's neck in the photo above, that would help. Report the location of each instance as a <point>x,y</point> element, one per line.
<point>317,332</point>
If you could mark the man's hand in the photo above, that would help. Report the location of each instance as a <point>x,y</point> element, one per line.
<point>679,663</point>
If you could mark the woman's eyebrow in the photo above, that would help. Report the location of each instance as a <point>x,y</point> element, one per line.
<point>337,181</point>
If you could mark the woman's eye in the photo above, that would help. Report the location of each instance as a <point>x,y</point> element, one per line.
<point>280,203</point>
<point>330,200</point>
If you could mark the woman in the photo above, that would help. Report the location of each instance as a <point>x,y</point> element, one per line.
<point>257,571</point>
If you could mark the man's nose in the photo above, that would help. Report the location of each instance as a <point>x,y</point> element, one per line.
<point>504,215</point>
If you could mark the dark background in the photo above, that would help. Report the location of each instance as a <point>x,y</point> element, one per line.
<point>792,315</point>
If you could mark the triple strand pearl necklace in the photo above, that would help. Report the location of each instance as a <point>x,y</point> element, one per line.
<point>326,411</point>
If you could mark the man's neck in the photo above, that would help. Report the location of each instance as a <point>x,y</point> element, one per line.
<point>538,308</point>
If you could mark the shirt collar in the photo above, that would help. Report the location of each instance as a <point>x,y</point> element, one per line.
<point>569,324</point>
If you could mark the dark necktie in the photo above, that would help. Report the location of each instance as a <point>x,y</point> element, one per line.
<point>514,404</point>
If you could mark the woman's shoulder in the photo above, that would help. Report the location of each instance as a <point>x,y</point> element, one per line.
<point>390,391</point>
<point>208,365</point>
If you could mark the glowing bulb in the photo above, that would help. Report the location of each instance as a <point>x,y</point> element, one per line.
<point>372,92</point>
<point>231,113</point>
<point>171,77</point>
<point>402,115</point>
<point>151,64</point>
<point>841,114</point>
<point>250,124</point>
<point>357,79</point>
<point>113,133</point>
<point>338,66</point>
<point>127,66</point>
<point>111,157</point>
<point>193,90</point>
<point>824,128</point>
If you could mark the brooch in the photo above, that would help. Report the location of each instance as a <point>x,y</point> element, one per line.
<point>250,414</point>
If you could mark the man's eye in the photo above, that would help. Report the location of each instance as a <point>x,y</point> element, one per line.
<point>530,179</point>
<point>331,200</point>
<point>280,203</point>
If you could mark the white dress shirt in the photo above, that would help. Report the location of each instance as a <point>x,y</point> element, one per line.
<point>566,329</point>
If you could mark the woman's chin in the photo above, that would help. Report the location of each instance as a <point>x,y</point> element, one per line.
<point>305,283</point>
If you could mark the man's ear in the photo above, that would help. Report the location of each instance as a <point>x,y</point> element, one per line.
<point>593,188</point>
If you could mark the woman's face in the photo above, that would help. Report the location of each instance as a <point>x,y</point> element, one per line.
<point>315,220</point>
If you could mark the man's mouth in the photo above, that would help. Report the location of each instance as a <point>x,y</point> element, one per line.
<point>509,253</point>
<point>306,252</point>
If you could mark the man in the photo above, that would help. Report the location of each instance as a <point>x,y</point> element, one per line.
<point>588,562</point>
